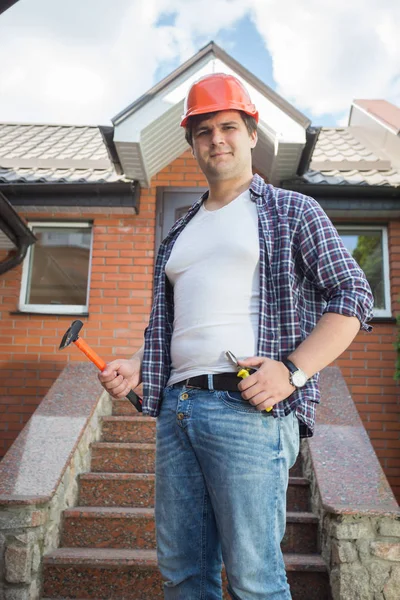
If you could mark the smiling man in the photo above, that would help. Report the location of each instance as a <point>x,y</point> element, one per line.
<point>261,272</point>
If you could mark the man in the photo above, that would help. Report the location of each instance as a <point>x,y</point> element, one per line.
<point>260,272</point>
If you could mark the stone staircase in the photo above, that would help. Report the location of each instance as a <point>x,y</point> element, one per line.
<point>107,549</point>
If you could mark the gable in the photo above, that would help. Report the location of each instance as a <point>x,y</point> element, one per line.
<point>148,136</point>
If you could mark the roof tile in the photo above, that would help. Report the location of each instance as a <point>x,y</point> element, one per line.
<point>59,176</point>
<point>339,146</point>
<point>41,141</point>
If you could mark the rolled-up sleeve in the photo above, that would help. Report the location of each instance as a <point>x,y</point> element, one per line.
<point>330,268</point>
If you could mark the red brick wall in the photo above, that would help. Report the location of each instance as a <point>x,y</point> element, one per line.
<point>120,300</point>
<point>368,367</point>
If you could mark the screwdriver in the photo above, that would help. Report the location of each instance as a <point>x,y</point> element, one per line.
<point>242,372</point>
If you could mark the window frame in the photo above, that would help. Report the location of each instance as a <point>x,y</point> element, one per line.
<point>378,312</point>
<point>52,309</point>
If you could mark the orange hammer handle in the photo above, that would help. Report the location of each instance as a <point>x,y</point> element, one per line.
<point>91,354</point>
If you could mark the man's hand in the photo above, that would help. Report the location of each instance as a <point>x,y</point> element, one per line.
<point>268,385</point>
<point>121,376</point>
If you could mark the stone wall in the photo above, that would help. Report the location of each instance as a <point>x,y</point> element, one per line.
<point>361,549</point>
<point>364,556</point>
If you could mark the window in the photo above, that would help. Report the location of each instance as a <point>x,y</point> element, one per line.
<point>369,246</point>
<point>56,271</point>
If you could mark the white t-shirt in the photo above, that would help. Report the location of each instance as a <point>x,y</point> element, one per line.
<point>214,270</point>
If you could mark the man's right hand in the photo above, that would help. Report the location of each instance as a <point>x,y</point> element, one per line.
<point>120,376</point>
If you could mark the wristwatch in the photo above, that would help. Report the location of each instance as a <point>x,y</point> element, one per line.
<point>297,377</point>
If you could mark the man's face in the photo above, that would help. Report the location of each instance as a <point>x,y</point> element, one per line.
<point>222,145</point>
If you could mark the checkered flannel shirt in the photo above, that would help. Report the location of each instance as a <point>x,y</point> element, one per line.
<point>305,271</point>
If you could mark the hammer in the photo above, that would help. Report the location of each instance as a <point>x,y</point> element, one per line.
<point>72,335</point>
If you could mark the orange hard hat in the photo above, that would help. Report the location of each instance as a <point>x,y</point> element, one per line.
<point>217,92</point>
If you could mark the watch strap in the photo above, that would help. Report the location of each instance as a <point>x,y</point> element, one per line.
<point>291,366</point>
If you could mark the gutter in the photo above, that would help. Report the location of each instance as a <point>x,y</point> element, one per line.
<point>341,191</point>
<point>116,194</point>
<point>17,232</point>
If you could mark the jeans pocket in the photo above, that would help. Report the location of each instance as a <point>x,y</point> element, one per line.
<point>234,401</point>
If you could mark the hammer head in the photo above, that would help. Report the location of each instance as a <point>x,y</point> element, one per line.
<point>71,335</point>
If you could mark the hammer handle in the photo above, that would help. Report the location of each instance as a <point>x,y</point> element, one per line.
<point>101,364</point>
<point>91,354</point>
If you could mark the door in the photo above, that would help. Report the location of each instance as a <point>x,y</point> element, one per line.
<point>172,203</point>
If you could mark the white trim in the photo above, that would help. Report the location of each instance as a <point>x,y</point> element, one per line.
<point>374,117</point>
<point>75,309</point>
<point>387,311</point>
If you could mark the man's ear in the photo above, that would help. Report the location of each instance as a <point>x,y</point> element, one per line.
<point>254,139</point>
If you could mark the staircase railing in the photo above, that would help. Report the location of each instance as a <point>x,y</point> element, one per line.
<point>359,517</point>
<point>38,476</point>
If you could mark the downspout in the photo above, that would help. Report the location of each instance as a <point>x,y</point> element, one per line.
<point>16,258</point>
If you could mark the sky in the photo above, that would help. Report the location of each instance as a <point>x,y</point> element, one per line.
<point>84,61</point>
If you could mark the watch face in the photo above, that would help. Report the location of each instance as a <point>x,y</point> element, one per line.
<point>299,378</point>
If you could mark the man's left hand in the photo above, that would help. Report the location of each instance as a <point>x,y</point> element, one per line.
<point>268,385</point>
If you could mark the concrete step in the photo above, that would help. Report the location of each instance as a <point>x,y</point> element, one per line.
<point>297,469</point>
<point>115,457</point>
<point>117,489</point>
<point>137,489</point>
<point>102,574</point>
<point>298,494</point>
<point>124,408</point>
<point>122,527</point>
<point>115,574</point>
<point>119,457</point>
<point>129,429</point>
<point>99,527</point>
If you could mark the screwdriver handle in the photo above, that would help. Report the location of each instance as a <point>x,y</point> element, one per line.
<point>243,373</point>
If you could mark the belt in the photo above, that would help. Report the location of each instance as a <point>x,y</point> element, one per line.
<point>222,381</point>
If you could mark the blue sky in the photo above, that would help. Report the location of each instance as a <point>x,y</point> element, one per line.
<point>83,61</point>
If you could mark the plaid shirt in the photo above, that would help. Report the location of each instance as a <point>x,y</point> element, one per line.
<point>305,271</point>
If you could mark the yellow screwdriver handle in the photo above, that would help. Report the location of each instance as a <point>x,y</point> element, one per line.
<point>243,373</point>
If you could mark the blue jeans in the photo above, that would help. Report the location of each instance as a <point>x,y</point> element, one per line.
<point>221,480</point>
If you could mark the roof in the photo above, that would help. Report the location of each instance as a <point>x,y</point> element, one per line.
<point>354,177</point>
<point>25,175</point>
<point>386,112</point>
<point>55,154</point>
<point>341,157</point>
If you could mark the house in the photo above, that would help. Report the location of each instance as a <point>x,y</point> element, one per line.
<point>83,210</point>
<point>100,199</point>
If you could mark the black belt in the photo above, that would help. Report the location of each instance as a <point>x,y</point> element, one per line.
<point>222,381</point>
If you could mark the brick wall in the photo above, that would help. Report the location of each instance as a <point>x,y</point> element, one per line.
<point>120,300</point>
<point>368,367</point>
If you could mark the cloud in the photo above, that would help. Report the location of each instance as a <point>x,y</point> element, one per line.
<point>325,54</point>
<point>83,62</point>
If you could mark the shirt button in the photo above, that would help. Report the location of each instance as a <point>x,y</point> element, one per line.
<point>181,416</point>
<point>184,396</point>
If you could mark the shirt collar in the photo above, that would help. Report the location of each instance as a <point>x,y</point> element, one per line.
<point>258,187</point>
